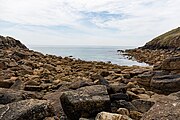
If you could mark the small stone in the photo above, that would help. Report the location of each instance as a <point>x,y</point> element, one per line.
<point>150,93</point>
<point>2,65</point>
<point>111,116</point>
<point>132,95</point>
<point>130,85</point>
<point>33,88</point>
<point>143,96</point>
<point>135,115</point>
<point>123,111</point>
<point>104,73</point>
<point>32,82</point>
<point>138,90</point>
<point>12,64</point>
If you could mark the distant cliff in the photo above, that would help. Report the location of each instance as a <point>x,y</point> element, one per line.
<point>168,40</point>
<point>9,42</point>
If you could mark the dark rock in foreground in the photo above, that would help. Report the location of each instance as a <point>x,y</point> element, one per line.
<point>85,101</point>
<point>26,110</point>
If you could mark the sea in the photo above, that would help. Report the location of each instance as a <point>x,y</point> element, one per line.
<point>90,53</point>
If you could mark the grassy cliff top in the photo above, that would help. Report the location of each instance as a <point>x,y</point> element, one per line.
<point>168,40</point>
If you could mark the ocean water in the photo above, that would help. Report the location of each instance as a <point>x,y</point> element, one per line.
<point>90,53</point>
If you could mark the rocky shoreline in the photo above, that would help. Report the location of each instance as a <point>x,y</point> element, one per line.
<point>151,57</point>
<point>34,86</point>
<point>157,50</point>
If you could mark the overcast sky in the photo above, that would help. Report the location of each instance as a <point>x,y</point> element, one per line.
<point>87,22</point>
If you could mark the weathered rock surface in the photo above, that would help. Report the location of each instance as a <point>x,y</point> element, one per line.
<point>143,105</point>
<point>165,108</point>
<point>85,101</point>
<point>26,110</point>
<point>166,84</point>
<point>172,63</point>
<point>111,116</point>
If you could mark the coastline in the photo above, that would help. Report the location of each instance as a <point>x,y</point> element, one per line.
<point>51,87</point>
<point>90,53</point>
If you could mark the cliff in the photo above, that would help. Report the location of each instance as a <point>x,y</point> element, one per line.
<point>168,40</point>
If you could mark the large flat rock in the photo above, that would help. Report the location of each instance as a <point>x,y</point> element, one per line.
<point>85,101</point>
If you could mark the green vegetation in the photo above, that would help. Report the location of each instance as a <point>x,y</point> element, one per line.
<point>167,40</point>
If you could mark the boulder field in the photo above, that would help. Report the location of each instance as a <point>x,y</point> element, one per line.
<point>34,86</point>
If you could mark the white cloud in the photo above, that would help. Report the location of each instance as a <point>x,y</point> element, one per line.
<point>138,20</point>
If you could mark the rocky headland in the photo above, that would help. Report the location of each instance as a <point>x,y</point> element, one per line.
<point>158,49</point>
<point>34,86</point>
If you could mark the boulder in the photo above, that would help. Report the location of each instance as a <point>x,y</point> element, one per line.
<point>123,104</point>
<point>117,88</point>
<point>9,95</point>
<point>143,96</point>
<point>6,83</point>
<point>33,88</point>
<point>111,116</point>
<point>26,110</point>
<point>104,73</point>
<point>143,105</point>
<point>165,108</point>
<point>2,64</point>
<point>85,102</point>
<point>145,79</point>
<point>166,84</point>
<point>119,96</point>
<point>55,101</point>
<point>172,63</point>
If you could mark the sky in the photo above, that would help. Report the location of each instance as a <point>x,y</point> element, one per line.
<point>88,22</point>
